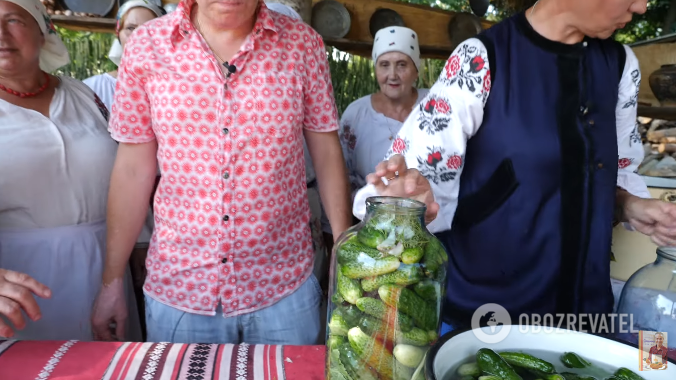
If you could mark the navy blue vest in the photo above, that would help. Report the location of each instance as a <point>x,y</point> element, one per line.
<point>533,227</point>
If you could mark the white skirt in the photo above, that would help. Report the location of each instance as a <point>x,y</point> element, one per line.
<point>69,260</point>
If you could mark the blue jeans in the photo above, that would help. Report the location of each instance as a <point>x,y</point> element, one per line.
<point>294,320</point>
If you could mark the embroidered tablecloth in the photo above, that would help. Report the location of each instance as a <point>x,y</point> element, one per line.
<point>74,360</point>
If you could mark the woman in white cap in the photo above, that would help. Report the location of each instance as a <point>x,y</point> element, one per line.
<point>370,124</point>
<point>56,157</point>
<point>130,15</point>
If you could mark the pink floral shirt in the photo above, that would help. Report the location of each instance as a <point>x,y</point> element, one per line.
<point>231,210</point>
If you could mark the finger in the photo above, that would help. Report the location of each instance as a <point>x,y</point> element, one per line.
<point>658,241</point>
<point>102,332</point>
<point>22,297</point>
<point>119,328</point>
<point>416,183</point>
<point>644,228</point>
<point>396,163</point>
<point>12,311</point>
<point>5,330</point>
<point>29,282</point>
<point>431,213</point>
<point>665,240</point>
<point>377,183</point>
<point>665,229</point>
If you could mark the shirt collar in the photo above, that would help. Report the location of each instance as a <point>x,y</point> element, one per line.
<point>181,25</point>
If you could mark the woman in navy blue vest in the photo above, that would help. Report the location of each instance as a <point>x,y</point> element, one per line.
<point>526,151</point>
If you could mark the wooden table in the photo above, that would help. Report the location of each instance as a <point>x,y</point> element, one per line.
<point>73,360</point>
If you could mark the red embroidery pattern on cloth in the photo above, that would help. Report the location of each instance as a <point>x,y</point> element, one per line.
<point>231,209</point>
<point>624,162</point>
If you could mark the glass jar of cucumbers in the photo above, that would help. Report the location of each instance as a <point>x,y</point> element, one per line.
<point>386,290</point>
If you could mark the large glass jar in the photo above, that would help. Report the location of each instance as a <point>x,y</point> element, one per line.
<point>386,290</point>
<point>648,301</point>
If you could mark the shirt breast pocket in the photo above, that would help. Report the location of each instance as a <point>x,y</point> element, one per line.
<point>279,104</point>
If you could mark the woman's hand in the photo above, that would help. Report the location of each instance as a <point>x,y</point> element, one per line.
<point>652,217</point>
<point>16,295</point>
<point>408,184</point>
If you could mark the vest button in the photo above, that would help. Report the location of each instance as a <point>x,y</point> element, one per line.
<point>591,122</point>
<point>600,165</point>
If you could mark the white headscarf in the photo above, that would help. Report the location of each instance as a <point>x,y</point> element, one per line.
<point>397,38</point>
<point>115,53</point>
<point>283,9</point>
<point>54,53</point>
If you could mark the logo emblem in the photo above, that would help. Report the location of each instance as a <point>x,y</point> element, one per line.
<point>496,318</point>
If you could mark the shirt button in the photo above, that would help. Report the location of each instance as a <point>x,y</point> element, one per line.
<point>584,44</point>
<point>224,260</point>
<point>226,175</point>
<point>226,131</point>
<point>226,218</point>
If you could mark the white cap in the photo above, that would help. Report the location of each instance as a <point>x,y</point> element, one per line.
<point>399,39</point>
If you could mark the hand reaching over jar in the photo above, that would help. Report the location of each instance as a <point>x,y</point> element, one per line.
<point>16,295</point>
<point>405,183</point>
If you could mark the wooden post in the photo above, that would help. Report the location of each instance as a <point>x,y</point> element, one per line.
<point>303,7</point>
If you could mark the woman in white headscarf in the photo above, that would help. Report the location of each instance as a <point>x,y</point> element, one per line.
<point>56,157</point>
<point>131,15</point>
<point>369,124</point>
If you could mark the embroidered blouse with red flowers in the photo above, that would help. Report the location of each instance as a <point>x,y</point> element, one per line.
<point>524,157</point>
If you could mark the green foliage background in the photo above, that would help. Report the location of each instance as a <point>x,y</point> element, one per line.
<point>353,76</point>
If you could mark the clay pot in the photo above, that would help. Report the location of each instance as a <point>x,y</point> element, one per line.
<point>663,84</point>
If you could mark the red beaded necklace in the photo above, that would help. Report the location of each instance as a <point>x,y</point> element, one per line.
<point>27,94</point>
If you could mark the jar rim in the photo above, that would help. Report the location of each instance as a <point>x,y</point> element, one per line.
<point>400,205</point>
<point>667,252</point>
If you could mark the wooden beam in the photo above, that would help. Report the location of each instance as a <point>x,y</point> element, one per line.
<point>431,24</point>
<point>88,24</point>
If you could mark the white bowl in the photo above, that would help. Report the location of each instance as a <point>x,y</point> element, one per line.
<point>454,349</point>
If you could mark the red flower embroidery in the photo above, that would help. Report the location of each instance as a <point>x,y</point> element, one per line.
<point>399,145</point>
<point>433,158</point>
<point>624,162</point>
<point>430,106</point>
<point>487,81</point>
<point>452,66</point>
<point>476,64</point>
<point>454,162</point>
<point>443,107</point>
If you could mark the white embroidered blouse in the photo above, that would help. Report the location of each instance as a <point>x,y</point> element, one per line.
<point>468,117</point>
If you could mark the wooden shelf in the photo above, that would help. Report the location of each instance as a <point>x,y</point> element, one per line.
<point>662,113</point>
<point>431,25</point>
<point>89,24</point>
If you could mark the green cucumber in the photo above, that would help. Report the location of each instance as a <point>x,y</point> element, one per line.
<point>412,255</point>
<point>376,308</point>
<point>348,288</point>
<point>404,275</point>
<point>354,366</point>
<point>490,377</point>
<point>414,337</point>
<point>469,369</point>
<point>575,376</point>
<point>573,360</point>
<point>627,374</point>
<point>351,249</point>
<point>424,315</point>
<point>491,363</point>
<point>519,359</point>
<point>365,266</point>
<point>429,290</point>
